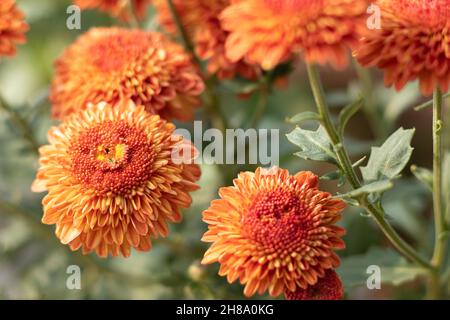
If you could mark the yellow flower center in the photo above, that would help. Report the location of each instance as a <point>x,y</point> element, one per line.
<point>112,155</point>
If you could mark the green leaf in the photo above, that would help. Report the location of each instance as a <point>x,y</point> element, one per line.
<point>424,175</point>
<point>335,175</point>
<point>347,113</point>
<point>314,145</point>
<point>394,269</point>
<point>446,183</point>
<point>387,161</point>
<point>374,187</point>
<point>304,116</point>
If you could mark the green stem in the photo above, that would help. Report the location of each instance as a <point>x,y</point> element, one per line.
<point>21,124</point>
<point>439,220</point>
<point>183,33</point>
<point>133,20</point>
<point>214,110</point>
<point>261,106</point>
<point>319,95</point>
<point>370,107</point>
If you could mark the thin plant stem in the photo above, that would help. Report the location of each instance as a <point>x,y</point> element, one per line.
<point>439,220</point>
<point>377,212</point>
<point>262,104</point>
<point>133,20</point>
<point>218,119</point>
<point>370,107</point>
<point>21,124</point>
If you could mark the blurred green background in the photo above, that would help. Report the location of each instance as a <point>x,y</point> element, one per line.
<point>33,263</point>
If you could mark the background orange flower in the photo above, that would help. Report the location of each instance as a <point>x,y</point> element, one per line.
<point>273,231</point>
<point>12,27</point>
<point>114,64</point>
<point>413,43</point>
<point>117,8</point>
<point>268,32</point>
<point>111,180</point>
<point>201,20</point>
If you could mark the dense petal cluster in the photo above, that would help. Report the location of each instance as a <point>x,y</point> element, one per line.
<point>111,179</point>
<point>201,20</point>
<point>273,231</point>
<point>329,287</point>
<point>117,8</point>
<point>114,64</point>
<point>412,43</point>
<point>12,27</point>
<point>268,32</point>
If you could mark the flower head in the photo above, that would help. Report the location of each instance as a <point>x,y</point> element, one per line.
<point>268,32</point>
<point>111,180</point>
<point>113,64</point>
<point>12,27</point>
<point>273,231</point>
<point>413,43</point>
<point>201,20</point>
<point>329,287</point>
<point>116,8</point>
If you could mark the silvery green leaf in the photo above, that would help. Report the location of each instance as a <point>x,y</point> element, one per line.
<point>314,145</point>
<point>347,113</point>
<point>374,187</point>
<point>424,175</point>
<point>304,116</point>
<point>387,161</point>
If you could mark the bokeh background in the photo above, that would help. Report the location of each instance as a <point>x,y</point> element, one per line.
<point>33,263</point>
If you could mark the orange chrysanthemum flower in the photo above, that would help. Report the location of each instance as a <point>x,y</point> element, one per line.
<point>12,27</point>
<point>329,287</point>
<point>268,32</point>
<point>114,64</point>
<point>111,180</point>
<point>201,20</point>
<point>413,43</point>
<point>116,8</point>
<point>273,231</point>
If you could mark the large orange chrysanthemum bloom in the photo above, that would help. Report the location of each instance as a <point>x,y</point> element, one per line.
<point>273,231</point>
<point>329,287</point>
<point>200,18</point>
<point>116,8</point>
<point>12,27</point>
<point>413,43</point>
<point>268,32</point>
<point>114,64</point>
<point>111,180</point>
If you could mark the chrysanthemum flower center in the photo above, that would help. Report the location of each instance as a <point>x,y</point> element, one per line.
<point>276,220</point>
<point>429,12</point>
<point>112,157</point>
<point>114,51</point>
<point>288,5</point>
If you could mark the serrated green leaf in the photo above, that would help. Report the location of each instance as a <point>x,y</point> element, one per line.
<point>387,161</point>
<point>335,175</point>
<point>347,113</point>
<point>424,175</point>
<point>394,269</point>
<point>304,116</point>
<point>374,187</point>
<point>314,145</point>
